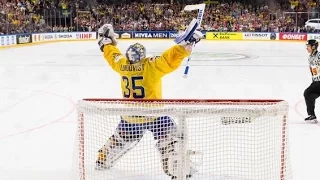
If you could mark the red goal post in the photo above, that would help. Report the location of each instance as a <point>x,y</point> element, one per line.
<point>230,139</point>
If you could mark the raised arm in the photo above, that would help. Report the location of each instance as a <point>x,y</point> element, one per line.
<point>172,58</point>
<point>107,43</point>
<point>114,57</point>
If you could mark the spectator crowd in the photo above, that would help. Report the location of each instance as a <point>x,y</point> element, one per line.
<point>23,16</point>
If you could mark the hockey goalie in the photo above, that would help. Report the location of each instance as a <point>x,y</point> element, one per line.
<point>141,79</point>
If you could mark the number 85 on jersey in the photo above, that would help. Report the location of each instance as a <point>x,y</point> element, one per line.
<point>132,88</point>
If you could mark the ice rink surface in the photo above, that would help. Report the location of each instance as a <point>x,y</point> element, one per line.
<point>40,85</point>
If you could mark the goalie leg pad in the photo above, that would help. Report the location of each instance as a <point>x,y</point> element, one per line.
<point>113,150</point>
<point>171,158</point>
<point>171,155</point>
<point>168,139</point>
<point>168,151</point>
<point>125,138</point>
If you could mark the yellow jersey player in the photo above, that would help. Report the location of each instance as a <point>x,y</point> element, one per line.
<point>141,79</point>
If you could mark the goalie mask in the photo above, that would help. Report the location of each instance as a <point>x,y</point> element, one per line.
<point>135,53</point>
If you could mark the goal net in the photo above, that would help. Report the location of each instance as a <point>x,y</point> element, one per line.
<point>182,139</point>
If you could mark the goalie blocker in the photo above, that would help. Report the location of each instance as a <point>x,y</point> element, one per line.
<point>188,35</point>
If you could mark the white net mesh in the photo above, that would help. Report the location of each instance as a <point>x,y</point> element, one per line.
<point>182,139</point>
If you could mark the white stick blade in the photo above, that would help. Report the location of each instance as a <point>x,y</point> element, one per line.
<point>194,7</point>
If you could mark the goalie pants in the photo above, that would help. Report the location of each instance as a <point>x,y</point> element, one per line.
<point>310,96</point>
<point>160,127</point>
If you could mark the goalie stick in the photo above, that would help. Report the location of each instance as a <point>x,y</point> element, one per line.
<point>201,8</point>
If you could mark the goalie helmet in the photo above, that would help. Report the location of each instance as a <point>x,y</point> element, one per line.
<point>135,53</point>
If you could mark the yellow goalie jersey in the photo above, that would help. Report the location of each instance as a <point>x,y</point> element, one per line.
<point>142,80</point>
